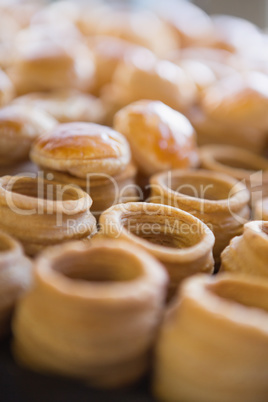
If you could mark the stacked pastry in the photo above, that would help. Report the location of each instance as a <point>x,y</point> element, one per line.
<point>102,112</point>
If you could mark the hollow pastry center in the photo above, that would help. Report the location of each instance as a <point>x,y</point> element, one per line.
<point>42,189</point>
<point>245,294</point>
<point>163,230</point>
<point>201,187</point>
<point>99,266</point>
<point>237,163</point>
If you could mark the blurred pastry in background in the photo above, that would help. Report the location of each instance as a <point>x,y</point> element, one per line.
<point>108,52</point>
<point>207,65</point>
<point>51,58</point>
<point>191,24</point>
<point>261,210</point>
<point>140,27</point>
<point>66,105</point>
<point>233,111</point>
<point>7,90</point>
<point>20,125</point>
<point>143,76</point>
<point>230,32</point>
<point>160,138</point>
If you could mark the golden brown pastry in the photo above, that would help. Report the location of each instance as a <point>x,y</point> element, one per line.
<point>207,65</point>
<point>213,345</point>
<point>49,58</point>
<point>92,156</point>
<point>180,241</point>
<point>261,210</point>
<point>52,213</point>
<point>160,137</point>
<point>21,11</point>
<point>15,278</point>
<point>7,90</point>
<point>108,52</point>
<point>230,33</point>
<point>19,126</point>
<point>58,11</point>
<point>190,23</point>
<point>248,253</point>
<point>102,305</point>
<point>233,112</point>
<point>140,27</point>
<point>66,105</point>
<point>220,201</point>
<point>142,76</point>
<point>241,164</point>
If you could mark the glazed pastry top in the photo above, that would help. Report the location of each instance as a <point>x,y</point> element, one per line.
<point>160,137</point>
<point>81,148</point>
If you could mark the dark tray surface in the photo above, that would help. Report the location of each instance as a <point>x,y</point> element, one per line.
<point>20,385</point>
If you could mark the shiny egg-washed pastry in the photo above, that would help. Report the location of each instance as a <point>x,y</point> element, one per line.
<point>160,137</point>
<point>93,157</point>
<point>66,105</point>
<point>20,125</point>
<point>248,253</point>
<point>213,344</point>
<point>15,278</point>
<point>50,58</point>
<point>7,90</point>
<point>143,76</point>
<point>21,11</point>
<point>101,306</point>
<point>233,111</point>
<point>82,148</point>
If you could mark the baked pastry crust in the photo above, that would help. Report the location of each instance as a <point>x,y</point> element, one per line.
<point>102,304</point>
<point>248,252</point>
<point>239,163</point>
<point>21,124</point>
<point>108,52</point>
<point>15,278</point>
<point>215,337</point>
<point>81,149</point>
<point>50,58</point>
<point>190,23</point>
<point>7,90</point>
<point>233,112</point>
<point>51,213</point>
<point>218,200</point>
<point>140,27</point>
<point>180,241</point>
<point>261,210</point>
<point>170,140</point>
<point>66,105</point>
<point>143,76</point>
